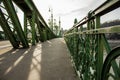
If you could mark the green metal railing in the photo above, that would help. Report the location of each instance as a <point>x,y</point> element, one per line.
<point>34,23</point>
<point>88,45</point>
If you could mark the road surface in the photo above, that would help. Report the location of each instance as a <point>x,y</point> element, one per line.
<point>49,60</point>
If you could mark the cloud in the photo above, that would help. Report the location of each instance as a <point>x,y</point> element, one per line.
<point>76,11</point>
<point>68,9</point>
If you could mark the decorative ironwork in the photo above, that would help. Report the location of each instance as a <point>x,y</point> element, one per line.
<point>87,45</point>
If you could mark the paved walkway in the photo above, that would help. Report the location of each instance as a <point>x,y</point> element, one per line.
<point>45,61</point>
<point>4,44</point>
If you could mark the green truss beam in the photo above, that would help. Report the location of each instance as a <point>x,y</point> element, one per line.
<point>8,31</point>
<point>11,11</point>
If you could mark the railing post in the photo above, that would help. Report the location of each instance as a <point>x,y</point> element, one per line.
<point>99,51</point>
<point>93,45</point>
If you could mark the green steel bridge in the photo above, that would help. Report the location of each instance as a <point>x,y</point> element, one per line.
<point>87,45</point>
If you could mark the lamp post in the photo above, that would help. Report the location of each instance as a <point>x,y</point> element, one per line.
<point>51,18</point>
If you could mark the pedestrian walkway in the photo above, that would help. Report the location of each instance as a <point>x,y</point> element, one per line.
<point>4,44</point>
<point>45,61</point>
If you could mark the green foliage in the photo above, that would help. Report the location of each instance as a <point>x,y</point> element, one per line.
<point>75,21</point>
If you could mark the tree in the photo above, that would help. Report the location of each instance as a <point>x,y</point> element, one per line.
<point>75,21</point>
<point>112,36</point>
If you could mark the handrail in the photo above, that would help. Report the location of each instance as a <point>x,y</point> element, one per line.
<point>106,7</point>
<point>111,29</point>
<point>88,44</point>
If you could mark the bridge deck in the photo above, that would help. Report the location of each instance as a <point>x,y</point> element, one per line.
<point>45,61</point>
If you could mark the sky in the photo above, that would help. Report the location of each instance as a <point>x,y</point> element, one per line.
<point>68,10</point>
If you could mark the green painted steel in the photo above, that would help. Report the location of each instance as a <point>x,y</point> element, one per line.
<point>114,64</point>
<point>11,11</point>
<point>1,37</point>
<point>107,64</point>
<point>40,31</point>
<point>99,54</point>
<point>35,28</point>
<point>44,34</point>
<point>10,35</point>
<point>88,44</point>
<point>25,25</point>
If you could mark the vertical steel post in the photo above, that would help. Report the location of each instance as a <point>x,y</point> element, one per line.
<point>36,36</point>
<point>11,11</point>
<point>33,28</point>
<point>39,29</point>
<point>45,35</point>
<point>99,54</point>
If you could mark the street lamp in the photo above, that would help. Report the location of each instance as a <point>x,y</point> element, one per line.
<point>51,19</point>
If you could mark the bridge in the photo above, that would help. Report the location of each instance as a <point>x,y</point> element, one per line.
<point>84,53</point>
